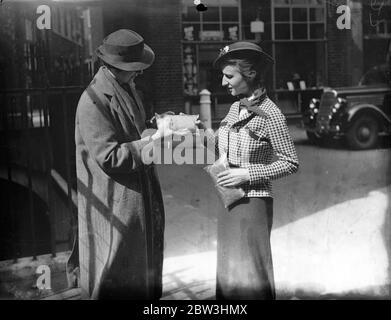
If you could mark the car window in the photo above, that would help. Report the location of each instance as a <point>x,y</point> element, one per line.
<point>376,75</point>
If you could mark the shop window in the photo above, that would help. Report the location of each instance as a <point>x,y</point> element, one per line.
<point>305,62</point>
<point>317,31</point>
<point>282,31</point>
<point>378,22</point>
<point>299,20</point>
<point>299,14</point>
<point>191,31</point>
<point>231,32</point>
<point>212,14</point>
<point>204,33</point>
<point>190,14</point>
<point>300,31</point>
<point>281,14</point>
<point>211,25</point>
<point>383,28</point>
<point>229,14</point>
<point>211,32</point>
<point>316,14</point>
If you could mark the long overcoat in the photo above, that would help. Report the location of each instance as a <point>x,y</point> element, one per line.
<point>120,207</point>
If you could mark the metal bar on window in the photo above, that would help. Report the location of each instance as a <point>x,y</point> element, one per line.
<point>27,135</point>
<point>68,163</point>
<point>48,168</point>
<point>10,204</point>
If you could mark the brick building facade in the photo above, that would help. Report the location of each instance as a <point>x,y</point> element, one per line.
<point>302,35</point>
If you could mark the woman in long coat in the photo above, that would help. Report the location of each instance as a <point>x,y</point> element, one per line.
<point>120,207</point>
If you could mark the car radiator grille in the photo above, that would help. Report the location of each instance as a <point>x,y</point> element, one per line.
<point>326,104</point>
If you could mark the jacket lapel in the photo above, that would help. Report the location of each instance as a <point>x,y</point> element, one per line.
<point>128,114</point>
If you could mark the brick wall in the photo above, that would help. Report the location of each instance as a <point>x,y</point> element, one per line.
<point>165,33</point>
<point>337,49</point>
<point>160,25</point>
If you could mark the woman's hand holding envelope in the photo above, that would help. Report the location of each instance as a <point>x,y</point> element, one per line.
<point>169,124</point>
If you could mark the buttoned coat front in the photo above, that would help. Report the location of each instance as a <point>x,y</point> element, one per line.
<point>120,207</point>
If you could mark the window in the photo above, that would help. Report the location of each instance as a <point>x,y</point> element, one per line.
<point>202,34</point>
<point>219,23</point>
<point>305,62</point>
<point>299,20</point>
<point>379,22</point>
<point>299,27</point>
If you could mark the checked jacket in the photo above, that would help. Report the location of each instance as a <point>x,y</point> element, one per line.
<point>259,141</point>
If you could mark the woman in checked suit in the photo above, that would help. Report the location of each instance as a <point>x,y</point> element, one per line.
<point>255,136</point>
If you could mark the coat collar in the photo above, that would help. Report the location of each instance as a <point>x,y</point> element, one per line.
<point>101,84</point>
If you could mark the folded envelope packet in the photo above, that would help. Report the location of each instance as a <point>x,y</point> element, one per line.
<point>179,122</point>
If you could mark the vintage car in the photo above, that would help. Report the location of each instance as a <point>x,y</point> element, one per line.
<point>358,114</point>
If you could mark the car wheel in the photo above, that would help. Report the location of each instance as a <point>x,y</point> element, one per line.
<point>314,138</point>
<point>363,132</point>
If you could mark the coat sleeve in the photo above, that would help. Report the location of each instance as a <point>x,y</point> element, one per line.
<point>97,130</point>
<point>286,162</point>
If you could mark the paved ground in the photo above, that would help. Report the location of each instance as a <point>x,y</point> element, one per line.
<point>331,232</point>
<point>330,238</point>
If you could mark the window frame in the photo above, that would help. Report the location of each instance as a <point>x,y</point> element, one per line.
<point>201,23</point>
<point>291,22</point>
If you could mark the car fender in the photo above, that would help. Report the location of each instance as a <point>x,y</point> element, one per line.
<point>370,107</point>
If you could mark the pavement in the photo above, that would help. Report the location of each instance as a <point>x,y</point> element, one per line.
<point>331,229</point>
<point>331,236</point>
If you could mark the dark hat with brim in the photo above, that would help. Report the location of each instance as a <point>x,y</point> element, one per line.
<point>241,50</point>
<point>125,50</point>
